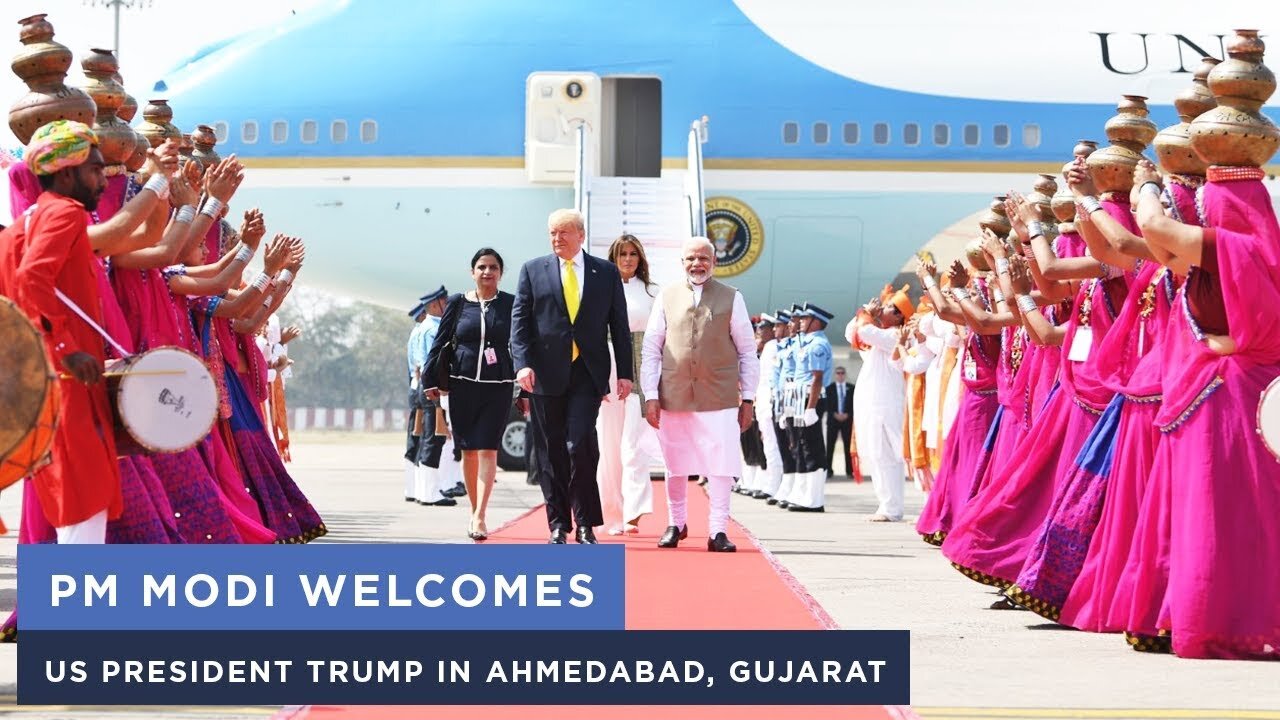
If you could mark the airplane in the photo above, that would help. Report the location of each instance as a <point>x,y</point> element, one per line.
<point>839,138</point>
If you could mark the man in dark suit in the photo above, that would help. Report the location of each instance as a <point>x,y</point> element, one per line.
<point>839,411</point>
<point>568,305</point>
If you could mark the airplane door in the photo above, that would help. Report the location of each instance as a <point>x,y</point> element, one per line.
<point>555,104</point>
<point>819,260</point>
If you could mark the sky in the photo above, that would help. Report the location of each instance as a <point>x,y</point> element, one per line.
<point>154,35</point>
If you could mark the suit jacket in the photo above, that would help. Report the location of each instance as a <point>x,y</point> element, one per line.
<point>831,403</point>
<point>542,336</point>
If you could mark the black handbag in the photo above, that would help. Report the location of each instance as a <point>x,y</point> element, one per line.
<point>444,365</point>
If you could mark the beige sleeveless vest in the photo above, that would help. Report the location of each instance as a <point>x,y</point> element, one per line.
<point>699,359</point>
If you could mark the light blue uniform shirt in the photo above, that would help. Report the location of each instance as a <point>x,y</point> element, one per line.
<point>415,355</point>
<point>817,357</point>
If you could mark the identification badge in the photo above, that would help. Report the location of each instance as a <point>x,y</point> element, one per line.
<point>1080,345</point>
<point>970,369</point>
<point>490,356</point>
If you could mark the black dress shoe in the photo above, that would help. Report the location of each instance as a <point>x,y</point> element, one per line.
<point>802,508</point>
<point>672,537</point>
<point>411,499</point>
<point>558,537</point>
<point>784,504</point>
<point>442,502</point>
<point>455,491</point>
<point>760,495</point>
<point>585,536</point>
<point>771,501</point>
<point>720,543</point>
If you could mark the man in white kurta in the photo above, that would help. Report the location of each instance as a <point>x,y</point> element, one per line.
<point>699,373</point>
<point>878,404</point>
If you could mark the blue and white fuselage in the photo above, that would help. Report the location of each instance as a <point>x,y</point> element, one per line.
<point>392,135</point>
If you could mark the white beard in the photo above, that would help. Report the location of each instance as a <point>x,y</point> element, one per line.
<point>696,281</point>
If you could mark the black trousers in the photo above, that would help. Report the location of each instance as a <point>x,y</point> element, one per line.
<point>785,448</point>
<point>842,431</point>
<point>430,446</point>
<point>569,453</point>
<point>810,449</point>
<point>411,443</point>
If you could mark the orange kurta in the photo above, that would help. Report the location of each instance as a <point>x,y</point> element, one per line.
<point>50,249</point>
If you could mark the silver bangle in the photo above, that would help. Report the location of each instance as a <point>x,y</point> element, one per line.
<point>929,282</point>
<point>960,294</point>
<point>1027,304</point>
<point>997,295</point>
<point>1035,228</point>
<point>1002,266</point>
<point>212,207</point>
<point>158,184</point>
<point>244,254</point>
<point>285,277</point>
<point>1155,188</point>
<point>186,214</point>
<point>260,281</point>
<point>267,301</point>
<point>1090,204</point>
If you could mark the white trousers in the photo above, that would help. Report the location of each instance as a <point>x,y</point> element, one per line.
<point>809,489</point>
<point>770,478</point>
<point>86,532</point>
<point>628,449</point>
<point>888,479</point>
<point>410,473</point>
<point>426,483</point>
<point>719,490</point>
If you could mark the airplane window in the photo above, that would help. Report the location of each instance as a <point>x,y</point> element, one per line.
<point>790,133</point>
<point>1031,136</point>
<point>911,134</point>
<point>851,133</point>
<point>880,133</point>
<point>220,130</point>
<point>972,135</point>
<point>941,134</point>
<point>368,131</point>
<point>279,132</point>
<point>338,131</point>
<point>821,133</point>
<point>249,132</point>
<point>309,132</point>
<point>1000,135</point>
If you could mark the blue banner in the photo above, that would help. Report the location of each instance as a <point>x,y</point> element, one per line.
<point>327,587</point>
<point>660,667</point>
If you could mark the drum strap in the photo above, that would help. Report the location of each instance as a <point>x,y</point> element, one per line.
<point>71,303</point>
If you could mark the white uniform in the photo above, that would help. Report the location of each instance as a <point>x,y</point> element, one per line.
<point>770,477</point>
<point>701,443</point>
<point>628,444</point>
<point>878,415</point>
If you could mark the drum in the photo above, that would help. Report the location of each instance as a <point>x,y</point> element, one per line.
<point>1269,417</point>
<point>29,397</point>
<point>165,401</point>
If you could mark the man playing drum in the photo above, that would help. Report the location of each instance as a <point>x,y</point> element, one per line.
<point>45,252</point>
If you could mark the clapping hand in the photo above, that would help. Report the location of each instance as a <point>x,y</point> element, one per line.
<point>959,275</point>
<point>1019,275</point>
<point>1079,179</point>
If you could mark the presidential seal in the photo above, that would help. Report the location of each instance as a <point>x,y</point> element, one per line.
<point>736,232</point>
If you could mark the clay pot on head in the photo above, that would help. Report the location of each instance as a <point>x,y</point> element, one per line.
<point>1173,144</point>
<point>1041,197</point>
<point>995,218</point>
<point>976,257</point>
<point>204,138</point>
<point>129,110</point>
<point>1063,204</point>
<point>116,139</point>
<point>1084,148</point>
<point>157,123</point>
<point>139,156</point>
<point>1130,131</point>
<point>1236,132</point>
<point>42,64</point>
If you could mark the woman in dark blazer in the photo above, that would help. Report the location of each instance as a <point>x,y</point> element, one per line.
<point>470,360</point>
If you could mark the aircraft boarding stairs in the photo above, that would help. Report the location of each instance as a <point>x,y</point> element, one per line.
<point>662,212</point>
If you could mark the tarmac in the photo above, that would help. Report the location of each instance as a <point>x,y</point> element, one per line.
<point>967,661</point>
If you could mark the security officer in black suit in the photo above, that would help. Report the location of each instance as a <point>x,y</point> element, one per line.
<point>839,412</point>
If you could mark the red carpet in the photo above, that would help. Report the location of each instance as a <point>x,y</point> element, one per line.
<point>684,588</point>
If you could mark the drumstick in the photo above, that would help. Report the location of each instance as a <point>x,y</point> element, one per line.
<point>121,373</point>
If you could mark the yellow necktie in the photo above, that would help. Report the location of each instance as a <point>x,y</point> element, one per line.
<point>571,299</point>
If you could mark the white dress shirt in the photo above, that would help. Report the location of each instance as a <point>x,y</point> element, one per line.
<point>579,268</point>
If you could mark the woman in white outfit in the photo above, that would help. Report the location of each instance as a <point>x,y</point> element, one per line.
<point>628,445</point>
